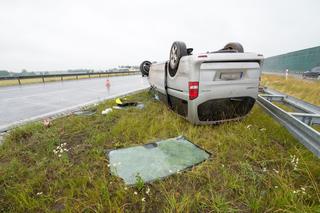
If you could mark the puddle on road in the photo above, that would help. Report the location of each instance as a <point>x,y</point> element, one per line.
<point>155,160</point>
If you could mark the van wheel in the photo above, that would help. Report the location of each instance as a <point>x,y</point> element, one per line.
<point>234,46</point>
<point>145,67</point>
<point>177,51</point>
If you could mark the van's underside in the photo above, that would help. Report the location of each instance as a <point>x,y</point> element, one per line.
<point>225,109</point>
<point>213,111</point>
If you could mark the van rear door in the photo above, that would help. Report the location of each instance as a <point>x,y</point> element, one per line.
<point>222,73</point>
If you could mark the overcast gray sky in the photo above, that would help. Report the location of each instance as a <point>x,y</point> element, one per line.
<point>67,34</point>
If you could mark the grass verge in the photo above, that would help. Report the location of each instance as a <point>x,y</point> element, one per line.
<point>257,166</point>
<point>304,89</point>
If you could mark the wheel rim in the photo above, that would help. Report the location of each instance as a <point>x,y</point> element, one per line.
<point>174,56</point>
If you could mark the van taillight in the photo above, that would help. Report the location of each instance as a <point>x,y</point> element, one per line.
<point>193,89</point>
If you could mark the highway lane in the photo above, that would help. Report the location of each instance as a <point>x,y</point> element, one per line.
<point>20,104</point>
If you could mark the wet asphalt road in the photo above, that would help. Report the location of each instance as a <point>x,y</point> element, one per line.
<point>20,104</point>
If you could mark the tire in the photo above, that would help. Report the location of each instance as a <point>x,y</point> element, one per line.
<point>177,51</point>
<point>234,46</point>
<point>145,68</point>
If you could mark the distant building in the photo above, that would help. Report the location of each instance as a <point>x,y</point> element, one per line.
<point>124,69</point>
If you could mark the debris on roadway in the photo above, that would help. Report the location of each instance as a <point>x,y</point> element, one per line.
<point>106,111</point>
<point>46,122</point>
<point>123,103</point>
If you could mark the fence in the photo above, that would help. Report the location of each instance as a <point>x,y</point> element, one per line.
<point>295,62</point>
<point>61,76</point>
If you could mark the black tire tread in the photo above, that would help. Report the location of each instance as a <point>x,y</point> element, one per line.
<point>142,70</point>
<point>234,46</point>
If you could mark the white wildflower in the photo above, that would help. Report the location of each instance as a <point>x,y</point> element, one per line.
<point>249,126</point>
<point>298,191</point>
<point>39,193</point>
<point>276,187</point>
<point>276,171</point>
<point>135,193</point>
<point>108,165</point>
<point>126,188</point>
<point>59,156</point>
<point>294,161</point>
<point>148,191</point>
<point>222,165</point>
<point>264,169</point>
<point>263,129</point>
<point>143,199</point>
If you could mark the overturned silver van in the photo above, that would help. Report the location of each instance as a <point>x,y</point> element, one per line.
<point>207,88</point>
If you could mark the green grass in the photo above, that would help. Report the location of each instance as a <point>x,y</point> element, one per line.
<point>52,79</point>
<point>304,89</point>
<point>316,127</point>
<point>284,106</point>
<point>251,169</point>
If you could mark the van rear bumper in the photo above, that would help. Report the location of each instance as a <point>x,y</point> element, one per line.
<point>218,110</point>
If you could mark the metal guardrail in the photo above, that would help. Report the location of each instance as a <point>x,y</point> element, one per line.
<point>297,103</point>
<point>296,123</point>
<point>76,75</point>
